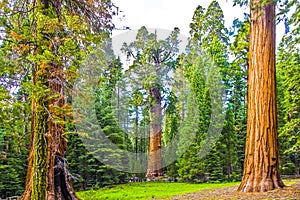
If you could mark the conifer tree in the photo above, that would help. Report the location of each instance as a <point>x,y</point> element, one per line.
<point>289,95</point>
<point>239,67</point>
<point>152,60</point>
<point>171,127</point>
<point>47,37</point>
<point>261,168</point>
<point>209,37</point>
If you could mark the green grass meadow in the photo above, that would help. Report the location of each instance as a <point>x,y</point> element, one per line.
<point>150,190</point>
<point>147,190</point>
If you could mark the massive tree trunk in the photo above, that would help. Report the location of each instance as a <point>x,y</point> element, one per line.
<point>261,164</point>
<point>58,178</point>
<point>47,176</point>
<point>155,158</point>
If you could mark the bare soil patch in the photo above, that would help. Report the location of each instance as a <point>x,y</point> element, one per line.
<point>289,192</point>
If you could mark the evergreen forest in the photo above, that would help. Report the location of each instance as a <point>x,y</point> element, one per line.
<point>74,116</point>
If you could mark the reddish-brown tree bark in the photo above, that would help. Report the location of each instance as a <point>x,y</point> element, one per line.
<point>58,178</point>
<point>47,176</point>
<point>155,159</point>
<point>261,167</point>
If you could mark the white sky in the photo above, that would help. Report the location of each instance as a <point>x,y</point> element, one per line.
<point>167,14</point>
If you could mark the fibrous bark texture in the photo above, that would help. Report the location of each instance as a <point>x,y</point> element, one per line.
<point>261,165</point>
<point>47,175</point>
<point>155,158</point>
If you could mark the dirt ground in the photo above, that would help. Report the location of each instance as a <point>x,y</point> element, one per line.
<point>288,192</point>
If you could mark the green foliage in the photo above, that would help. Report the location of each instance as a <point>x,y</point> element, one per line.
<point>196,122</point>
<point>289,95</point>
<point>44,36</point>
<point>10,164</point>
<point>14,117</point>
<point>46,43</point>
<point>241,2</point>
<point>210,157</point>
<point>153,60</point>
<point>108,123</point>
<point>78,162</point>
<point>238,70</point>
<point>13,148</point>
<point>229,140</point>
<point>171,126</point>
<point>90,160</point>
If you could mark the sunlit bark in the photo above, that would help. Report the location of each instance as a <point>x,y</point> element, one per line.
<point>155,160</point>
<point>261,167</point>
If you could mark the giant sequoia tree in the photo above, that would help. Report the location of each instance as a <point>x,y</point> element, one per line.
<point>50,38</point>
<point>152,60</point>
<point>261,159</point>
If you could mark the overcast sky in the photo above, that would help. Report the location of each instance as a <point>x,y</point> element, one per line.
<point>167,14</point>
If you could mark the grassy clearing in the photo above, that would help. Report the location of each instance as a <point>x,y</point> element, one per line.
<point>149,190</point>
<point>290,182</point>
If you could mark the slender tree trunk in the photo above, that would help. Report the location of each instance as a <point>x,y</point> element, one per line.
<point>28,182</point>
<point>136,130</point>
<point>155,158</point>
<point>261,164</point>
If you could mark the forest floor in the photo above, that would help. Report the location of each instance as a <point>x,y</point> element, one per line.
<point>288,192</point>
<point>187,191</point>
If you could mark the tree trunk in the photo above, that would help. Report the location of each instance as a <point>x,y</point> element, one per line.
<point>47,176</point>
<point>261,164</point>
<point>28,182</point>
<point>155,158</point>
<point>58,178</point>
<point>36,173</point>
